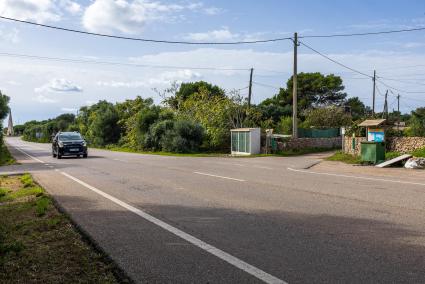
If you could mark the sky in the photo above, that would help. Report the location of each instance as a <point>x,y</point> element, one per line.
<point>41,89</point>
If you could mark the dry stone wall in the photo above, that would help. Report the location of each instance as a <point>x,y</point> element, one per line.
<point>405,144</point>
<point>393,144</point>
<point>300,143</point>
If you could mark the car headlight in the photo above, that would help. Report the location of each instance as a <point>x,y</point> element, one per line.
<point>60,144</point>
<point>84,143</point>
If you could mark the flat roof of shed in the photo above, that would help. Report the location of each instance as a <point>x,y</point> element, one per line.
<point>372,122</point>
<point>243,129</point>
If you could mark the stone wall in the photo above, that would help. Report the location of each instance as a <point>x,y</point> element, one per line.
<point>348,145</point>
<point>405,144</point>
<point>300,143</point>
<point>393,144</point>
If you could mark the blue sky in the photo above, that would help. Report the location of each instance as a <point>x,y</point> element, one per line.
<point>42,89</point>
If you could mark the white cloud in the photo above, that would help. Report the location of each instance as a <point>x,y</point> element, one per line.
<point>70,6</point>
<point>40,11</point>
<point>45,100</point>
<point>68,109</point>
<point>213,11</point>
<point>130,16</point>
<point>125,16</point>
<point>9,35</point>
<point>165,78</point>
<point>59,85</point>
<point>225,34</point>
<point>222,34</point>
<point>13,83</point>
<point>413,44</point>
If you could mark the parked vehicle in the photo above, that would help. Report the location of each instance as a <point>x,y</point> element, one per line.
<point>69,144</point>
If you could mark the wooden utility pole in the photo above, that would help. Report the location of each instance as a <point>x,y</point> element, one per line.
<point>294,90</point>
<point>374,88</point>
<point>250,88</point>
<point>385,114</point>
<point>398,104</point>
<point>398,112</point>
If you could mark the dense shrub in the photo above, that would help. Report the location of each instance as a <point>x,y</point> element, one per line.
<point>185,137</point>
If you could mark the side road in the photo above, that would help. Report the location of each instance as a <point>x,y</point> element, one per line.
<point>170,219</point>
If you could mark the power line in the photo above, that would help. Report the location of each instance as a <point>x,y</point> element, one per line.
<point>145,39</point>
<point>70,60</point>
<point>266,85</point>
<point>334,61</point>
<point>210,43</point>
<point>365,34</point>
<point>401,81</point>
<point>399,90</point>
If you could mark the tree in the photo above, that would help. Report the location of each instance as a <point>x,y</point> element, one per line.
<point>357,108</point>
<point>4,108</point>
<point>212,112</point>
<point>186,90</point>
<point>102,124</point>
<point>314,90</point>
<point>417,123</point>
<point>331,116</point>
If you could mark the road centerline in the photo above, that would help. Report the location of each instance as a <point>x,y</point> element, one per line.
<point>217,176</point>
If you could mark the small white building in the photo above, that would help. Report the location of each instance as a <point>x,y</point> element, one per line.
<point>246,141</point>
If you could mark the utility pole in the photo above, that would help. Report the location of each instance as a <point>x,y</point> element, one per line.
<point>398,104</point>
<point>385,114</point>
<point>250,88</point>
<point>294,91</point>
<point>398,112</point>
<point>374,88</point>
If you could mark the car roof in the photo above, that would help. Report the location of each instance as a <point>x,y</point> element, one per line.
<point>70,132</point>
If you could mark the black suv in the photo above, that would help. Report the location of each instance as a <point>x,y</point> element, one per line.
<point>69,144</point>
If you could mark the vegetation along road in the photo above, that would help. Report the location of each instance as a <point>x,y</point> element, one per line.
<point>225,220</point>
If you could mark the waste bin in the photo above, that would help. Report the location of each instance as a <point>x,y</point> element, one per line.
<point>373,152</point>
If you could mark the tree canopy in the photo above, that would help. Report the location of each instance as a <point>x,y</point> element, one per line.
<point>186,90</point>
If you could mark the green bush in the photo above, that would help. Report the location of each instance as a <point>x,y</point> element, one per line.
<point>284,126</point>
<point>419,153</point>
<point>154,139</point>
<point>185,137</point>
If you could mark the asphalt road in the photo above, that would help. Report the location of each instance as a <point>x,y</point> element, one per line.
<point>238,220</point>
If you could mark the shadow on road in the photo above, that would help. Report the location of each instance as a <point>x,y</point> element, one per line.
<point>298,248</point>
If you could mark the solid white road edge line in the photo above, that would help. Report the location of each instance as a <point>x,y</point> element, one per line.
<point>260,274</point>
<point>210,175</point>
<point>357,177</point>
<point>248,268</point>
<point>34,158</point>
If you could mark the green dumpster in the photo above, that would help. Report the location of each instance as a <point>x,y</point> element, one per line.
<point>373,152</point>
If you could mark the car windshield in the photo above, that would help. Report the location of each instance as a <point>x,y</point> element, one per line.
<point>70,136</point>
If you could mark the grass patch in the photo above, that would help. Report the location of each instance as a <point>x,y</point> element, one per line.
<point>344,157</point>
<point>41,206</point>
<point>5,156</point>
<point>419,153</point>
<point>160,153</point>
<point>391,155</point>
<point>303,151</point>
<point>27,180</point>
<point>38,244</point>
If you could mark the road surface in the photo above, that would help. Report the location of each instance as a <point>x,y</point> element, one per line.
<point>238,220</point>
